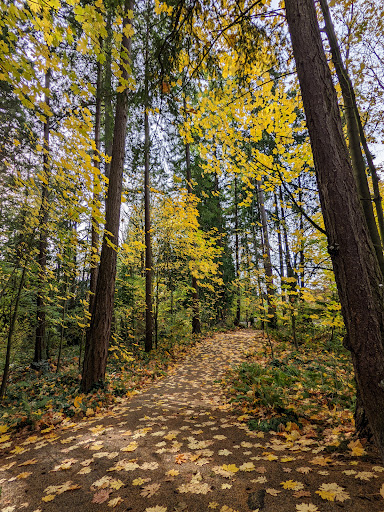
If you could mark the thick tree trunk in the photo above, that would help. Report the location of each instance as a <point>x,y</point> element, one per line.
<point>351,116</point>
<point>97,342</point>
<point>43,242</point>
<point>357,272</point>
<point>272,319</point>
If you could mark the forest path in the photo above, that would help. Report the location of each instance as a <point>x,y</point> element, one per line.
<point>179,447</point>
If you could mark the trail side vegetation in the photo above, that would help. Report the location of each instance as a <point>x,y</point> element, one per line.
<point>173,168</point>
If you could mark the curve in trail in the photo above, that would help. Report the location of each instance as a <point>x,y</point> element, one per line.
<point>179,447</point>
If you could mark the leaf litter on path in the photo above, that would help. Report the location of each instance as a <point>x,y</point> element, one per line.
<point>180,446</point>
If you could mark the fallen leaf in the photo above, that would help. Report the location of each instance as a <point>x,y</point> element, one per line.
<point>50,497</point>
<point>150,490</point>
<point>101,496</point>
<point>272,492</point>
<point>26,474</point>
<point>306,507</point>
<point>292,485</point>
<point>116,501</point>
<point>131,447</point>
<point>357,448</point>
<point>332,492</point>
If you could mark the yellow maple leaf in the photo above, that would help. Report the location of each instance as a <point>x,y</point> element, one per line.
<point>3,428</point>
<point>230,467</point>
<point>5,438</point>
<point>291,484</point>
<point>50,497</point>
<point>131,447</point>
<point>172,472</point>
<point>357,448</point>
<point>116,501</point>
<point>77,401</point>
<point>332,492</point>
<point>18,449</point>
<point>116,484</point>
<point>25,474</point>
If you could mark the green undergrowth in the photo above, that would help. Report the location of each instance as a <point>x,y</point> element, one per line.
<point>37,399</point>
<point>314,383</point>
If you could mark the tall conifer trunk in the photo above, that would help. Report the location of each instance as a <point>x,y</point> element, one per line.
<point>97,342</point>
<point>147,210</point>
<point>272,319</point>
<point>237,258</point>
<point>96,195</point>
<point>352,116</point>
<point>43,242</point>
<point>196,327</point>
<point>357,272</point>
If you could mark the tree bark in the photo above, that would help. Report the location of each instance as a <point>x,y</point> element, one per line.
<point>97,342</point>
<point>272,319</point>
<point>357,272</point>
<point>148,242</point>
<point>43,242</point>
<point>196,326</point>
<point>11,332</point>
<point>108,94</point>
<point>352,116</point>
<point>147,207</point>
<point>96,196</point>
<point>237,259</point>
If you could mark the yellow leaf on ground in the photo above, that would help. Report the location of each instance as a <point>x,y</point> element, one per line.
<point>26,474</point>
<point>50,497</point>
<point>131,447</point>
<point>116,501</point>
<point>357,448</point>
<point>230,467</point>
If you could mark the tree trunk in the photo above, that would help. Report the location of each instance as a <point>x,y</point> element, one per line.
<point>97,341</point>
<point>96,196</point>
<point>279,241</point>
<point>352,115</point>
<point>11,332</point>
<point>43,221</point>
<point>357,272</point>
<point>272,319</point>
<point>196,327</point>
<point>237,259</point>
<point>108,93</point>
<point>148,245</point>
<point>147,212</point>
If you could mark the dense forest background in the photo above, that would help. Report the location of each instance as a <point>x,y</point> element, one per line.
<point>157,178</point>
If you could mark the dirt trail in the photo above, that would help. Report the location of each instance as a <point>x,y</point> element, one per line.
<point>179,447</point>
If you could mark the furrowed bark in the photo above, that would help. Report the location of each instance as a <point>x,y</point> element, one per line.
<point>357,272</point>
